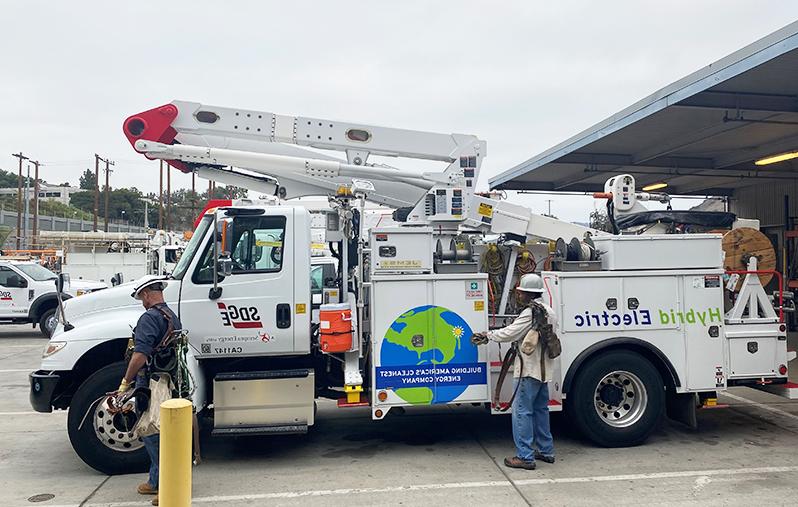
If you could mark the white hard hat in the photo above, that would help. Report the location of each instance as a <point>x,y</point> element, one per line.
<point>531,283</point>
<point>158,284</point>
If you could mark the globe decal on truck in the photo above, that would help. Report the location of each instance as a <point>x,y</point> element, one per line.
<point>427,356</point>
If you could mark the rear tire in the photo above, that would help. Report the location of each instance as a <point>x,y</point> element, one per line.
<point>617,399</point>
<point>87,441</point>
<point>47,323</point>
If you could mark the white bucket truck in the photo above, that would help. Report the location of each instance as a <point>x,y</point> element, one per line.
<point>28,293</point>
<point>406,299</point>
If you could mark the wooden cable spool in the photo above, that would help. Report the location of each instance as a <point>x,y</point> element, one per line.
<point>740,244</point>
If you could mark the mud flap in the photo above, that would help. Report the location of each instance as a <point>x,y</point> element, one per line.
<point>682,408</point>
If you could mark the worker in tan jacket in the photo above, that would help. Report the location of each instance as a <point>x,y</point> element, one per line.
<point>532,371</point>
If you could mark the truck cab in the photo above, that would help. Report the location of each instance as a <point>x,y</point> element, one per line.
<point>257,315</point>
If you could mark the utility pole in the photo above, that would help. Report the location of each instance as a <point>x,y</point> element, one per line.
<point>21,157</point>
<point>160,197</point>
<point>36,199</point>
<point>107,190</point>
<point>27,209</point>
<point>168,197</point>
<point>96,188</point>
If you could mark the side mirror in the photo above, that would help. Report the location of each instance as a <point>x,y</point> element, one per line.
<point>20,282</point>
<point>117,279</point>
<point>224,266</point>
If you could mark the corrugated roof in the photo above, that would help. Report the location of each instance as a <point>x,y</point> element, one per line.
<point>700,134</point>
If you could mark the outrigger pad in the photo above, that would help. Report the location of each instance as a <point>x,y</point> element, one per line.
<point>711,219</point>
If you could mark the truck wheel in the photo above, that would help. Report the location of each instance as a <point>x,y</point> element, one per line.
<point>617,399</point>
<point>104,442</point>
<point>48,322</point>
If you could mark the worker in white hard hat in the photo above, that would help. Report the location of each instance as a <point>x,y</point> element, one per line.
<point>157,321</point>
<point>532,371</point>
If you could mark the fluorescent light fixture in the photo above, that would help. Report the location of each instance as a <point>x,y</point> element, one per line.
<point>654,186</point>
<point>777,158</point>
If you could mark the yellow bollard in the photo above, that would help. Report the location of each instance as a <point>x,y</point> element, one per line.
<point>174,483</point>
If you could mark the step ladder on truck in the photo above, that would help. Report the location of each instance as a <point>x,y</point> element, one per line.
<point>406,299</point>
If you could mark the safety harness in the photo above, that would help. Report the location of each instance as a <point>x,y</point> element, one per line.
<point>549,345</point>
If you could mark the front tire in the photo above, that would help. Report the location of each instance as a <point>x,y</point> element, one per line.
<point>617,399</point>
<point>104,442</point>
<point>48,323</point>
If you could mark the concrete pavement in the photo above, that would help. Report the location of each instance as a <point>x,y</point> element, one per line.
<point>744,454</point>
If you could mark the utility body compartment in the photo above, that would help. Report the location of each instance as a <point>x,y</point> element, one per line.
<point>660,251</point>
<point>277,401</point>
<point>421,327</point>
<point>678,313</point>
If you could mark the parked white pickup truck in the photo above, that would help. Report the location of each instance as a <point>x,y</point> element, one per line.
<point>28,295</point>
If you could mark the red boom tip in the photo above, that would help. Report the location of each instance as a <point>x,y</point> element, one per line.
<point>154,125</point>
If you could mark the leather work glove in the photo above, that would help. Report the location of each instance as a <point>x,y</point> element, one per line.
<point>479,338</point>
<point>124,386</point>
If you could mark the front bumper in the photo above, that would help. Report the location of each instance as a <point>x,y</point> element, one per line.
<point>42,387</point>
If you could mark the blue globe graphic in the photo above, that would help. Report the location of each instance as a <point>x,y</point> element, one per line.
<point>446,341</point>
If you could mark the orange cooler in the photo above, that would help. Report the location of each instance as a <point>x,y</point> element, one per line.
<point>335,327</point>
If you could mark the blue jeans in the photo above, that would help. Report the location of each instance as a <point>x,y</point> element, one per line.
<point>152,443</point>
<point>531,419</point>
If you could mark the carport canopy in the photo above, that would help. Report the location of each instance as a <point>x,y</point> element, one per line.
<point>701,135</point>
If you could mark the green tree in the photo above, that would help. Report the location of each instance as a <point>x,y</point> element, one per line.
<point>87,180</point>
<point>10,179</point>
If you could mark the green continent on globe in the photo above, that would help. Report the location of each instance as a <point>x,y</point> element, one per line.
<point>415,395</point>
<point>439,336</point>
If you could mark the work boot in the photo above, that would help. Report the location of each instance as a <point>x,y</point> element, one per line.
<point>145,489</point>
<point>543,457</point>
<point>516,462</point>
<point>155,500</point>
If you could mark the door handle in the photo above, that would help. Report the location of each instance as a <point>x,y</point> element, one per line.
<point>283,316</point>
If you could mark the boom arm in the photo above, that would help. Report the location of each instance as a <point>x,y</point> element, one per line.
<point>275,154</point>
<point>251,133</point>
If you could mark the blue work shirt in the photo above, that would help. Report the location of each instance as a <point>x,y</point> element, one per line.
<point>148,333</point>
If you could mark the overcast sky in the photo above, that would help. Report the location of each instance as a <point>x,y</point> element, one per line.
<point>522,75</point>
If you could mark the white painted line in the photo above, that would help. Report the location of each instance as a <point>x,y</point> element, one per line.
<point>661,475</point>
<point>15,346</point>
<point>762,406</point>
<point>703,475</point>
<point>28,370</point>
<point>32,413</point>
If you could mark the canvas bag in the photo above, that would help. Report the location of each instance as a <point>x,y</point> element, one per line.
<point>149,422</point>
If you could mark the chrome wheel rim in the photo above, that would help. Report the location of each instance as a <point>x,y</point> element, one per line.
<point>620,399</point>
<point>115,431</point>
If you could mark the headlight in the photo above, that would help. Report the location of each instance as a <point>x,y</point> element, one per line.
<point>52,348</point>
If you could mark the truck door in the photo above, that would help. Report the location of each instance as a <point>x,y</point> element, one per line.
<point>14,299</point>
<point>255,313</point>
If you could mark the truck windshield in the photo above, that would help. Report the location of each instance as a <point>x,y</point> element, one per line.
<point>37,272</point>
<point>192,247</point>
